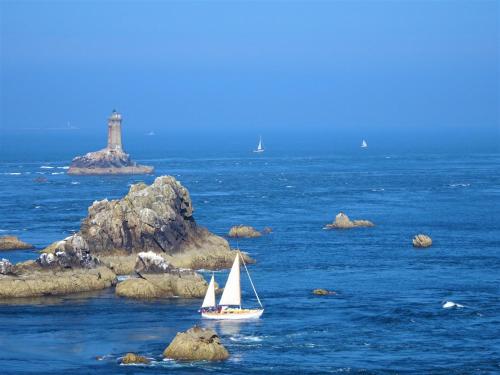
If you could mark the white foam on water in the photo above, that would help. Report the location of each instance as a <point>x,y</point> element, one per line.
<point>289,186</point>
<point>459,185</point>
<point>57,173</point>
<point>451,304</point>
<point>12,173</point>
<point>46,167</point>
<point>66,167</point>
<point>75,183</point>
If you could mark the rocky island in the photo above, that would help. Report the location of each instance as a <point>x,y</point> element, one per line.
<point>110,160</point>
<point>150,235</point>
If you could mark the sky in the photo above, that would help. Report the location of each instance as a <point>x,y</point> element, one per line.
<point>416,75</point>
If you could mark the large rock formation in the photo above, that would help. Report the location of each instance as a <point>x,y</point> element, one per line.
<point>157,218</point>
<point>196,344</point>
<point>342,221</point>
<point>150,232</point>
<point>110,160</point>
<point>13,243</point>
<point>244,231</point>
<point>422,240</point>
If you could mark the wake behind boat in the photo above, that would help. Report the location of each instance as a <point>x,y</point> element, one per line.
<point>229,307</point>
<point>259,146</point>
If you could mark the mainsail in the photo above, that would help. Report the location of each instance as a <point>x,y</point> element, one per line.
<point>364,144</point>
<point>259,147</point>
<point>209,300</point>
<point>232,291</point>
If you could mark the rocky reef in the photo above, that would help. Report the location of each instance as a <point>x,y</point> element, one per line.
<point>422,241</point>
<point>159,279</point>
<point>106,161</point>
<point>196,344</point>
<point>13,243</point>
<point>342,221</point>
<point>150,233</point>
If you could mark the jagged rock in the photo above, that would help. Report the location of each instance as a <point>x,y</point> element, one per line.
<point>323,292</point>
<point>132,358</point>
<point>5,267</point>
<point>422,240</point>
<point>342,221</point>
<point>244,231</point>
<point>73,251</point>
<point>150,262</point>
<point>32,280</point>
<point>157,218</point>
<point>196,344</point>
<point>13,243</point>
<point>178,283</point>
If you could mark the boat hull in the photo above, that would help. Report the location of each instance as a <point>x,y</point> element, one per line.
<point>233,314</point>
<point>258,151</point>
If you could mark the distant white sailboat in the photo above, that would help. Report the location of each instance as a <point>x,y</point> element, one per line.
<point>229,307</point>
<point>364,144</point>
<point>259,146</point>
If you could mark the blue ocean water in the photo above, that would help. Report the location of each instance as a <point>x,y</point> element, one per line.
<point>387,316</point>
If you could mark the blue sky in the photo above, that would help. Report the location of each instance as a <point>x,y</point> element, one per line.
<point>424,73</point>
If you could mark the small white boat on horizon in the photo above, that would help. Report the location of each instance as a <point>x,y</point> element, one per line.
<point>229,307</point>
<point>259,146</point>
<point>364,144</point>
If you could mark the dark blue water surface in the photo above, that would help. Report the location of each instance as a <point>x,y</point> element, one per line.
<point>386,318</point>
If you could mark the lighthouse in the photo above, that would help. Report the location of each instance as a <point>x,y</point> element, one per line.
<point>115,131</point>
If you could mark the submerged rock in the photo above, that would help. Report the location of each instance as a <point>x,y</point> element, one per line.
<point>13,243</point>
<point>132,358</point>
<point>244,231</point>
<point>422,240</point>
<point>342,221</point>
<point>196,344</point>
<point>323,292</point>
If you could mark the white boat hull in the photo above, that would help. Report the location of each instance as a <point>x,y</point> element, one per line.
<point>258,151</point>
<point>233,314</point>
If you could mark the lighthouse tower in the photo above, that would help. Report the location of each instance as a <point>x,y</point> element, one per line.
<point>115,131</point>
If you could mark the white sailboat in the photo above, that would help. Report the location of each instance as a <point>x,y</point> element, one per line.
<point>259,146</point>
<point>229,307</point>
<point>364,144</point>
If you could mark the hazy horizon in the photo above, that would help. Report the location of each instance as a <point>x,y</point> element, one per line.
<point>412,76</point>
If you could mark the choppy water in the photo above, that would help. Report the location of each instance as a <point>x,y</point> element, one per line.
<point>387,315</point>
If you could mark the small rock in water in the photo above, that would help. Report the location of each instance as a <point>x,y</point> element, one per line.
<point>132,358</point>
<point>196,344</point>
<point>13,243</point>
<point>342,221</point>
<point>244,231</point>
<point>323,292</point>
<point>422,241</point>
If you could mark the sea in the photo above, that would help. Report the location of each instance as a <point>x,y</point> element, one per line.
<point>387,315</point>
